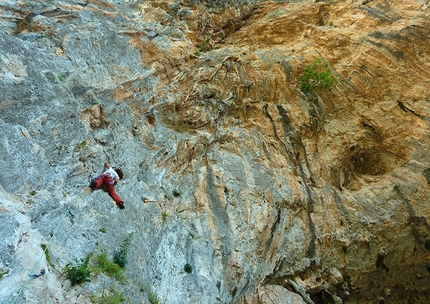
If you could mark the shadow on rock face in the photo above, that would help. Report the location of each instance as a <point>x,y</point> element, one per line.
<point>426,174</point>
<point>372,160</point>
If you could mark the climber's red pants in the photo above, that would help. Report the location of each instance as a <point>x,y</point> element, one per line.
<point>105,180</point>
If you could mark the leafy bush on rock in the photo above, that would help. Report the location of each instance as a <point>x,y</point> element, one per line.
<point>316,76</point>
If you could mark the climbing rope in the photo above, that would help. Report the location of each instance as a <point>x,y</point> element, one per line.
<point>32,275</point>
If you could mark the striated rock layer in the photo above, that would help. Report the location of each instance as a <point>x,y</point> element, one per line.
<point>238,187</point>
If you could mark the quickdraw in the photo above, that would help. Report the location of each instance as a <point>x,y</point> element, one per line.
<point>36,275</point>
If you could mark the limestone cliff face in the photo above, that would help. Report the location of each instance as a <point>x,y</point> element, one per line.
<point>270,195</point>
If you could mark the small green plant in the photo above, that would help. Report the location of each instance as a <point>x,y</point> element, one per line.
<point>79,273</point>
<point>111,296</point>
<point>102,230</point>
<point>33,192</point>
<point>103,264</point>
<point>188,268</point>
<point>204,47</point>
<point>316,76</point>
<point>62,77</point>
<point>396,187</point>
<point>176,193</point>
<point>47,256</point>
<point>120,256</point>
<point>165,216</point>
<point>83,143</point>
<point>152,296</point>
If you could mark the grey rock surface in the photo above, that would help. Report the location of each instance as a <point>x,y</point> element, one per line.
<point>60,66</point>
<point>238,188</point>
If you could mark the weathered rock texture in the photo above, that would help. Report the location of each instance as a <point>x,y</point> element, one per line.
<point>271,195</point>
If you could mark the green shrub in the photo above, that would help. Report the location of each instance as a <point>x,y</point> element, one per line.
<point>79,273</point>
<point>176,193</point>
<point>110,296</point>
<point>120,256</point>
<point>316,76</point>
<point>188,268</point>
<point>103,264</point>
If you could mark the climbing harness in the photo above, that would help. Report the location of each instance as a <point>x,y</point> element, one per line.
<point>33,275</point>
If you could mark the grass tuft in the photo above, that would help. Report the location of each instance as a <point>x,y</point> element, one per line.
<point>152,295</point>
<point>79,273</point>
<point>103,264</point>
<point>111,296</point>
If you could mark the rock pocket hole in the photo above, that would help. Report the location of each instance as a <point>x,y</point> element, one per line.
<point>362,164</point>
<point>373,162</point>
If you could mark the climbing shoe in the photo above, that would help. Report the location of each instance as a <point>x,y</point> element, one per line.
<point>120,205</point>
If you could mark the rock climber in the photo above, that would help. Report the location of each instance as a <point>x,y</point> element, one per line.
<point>109,179</point>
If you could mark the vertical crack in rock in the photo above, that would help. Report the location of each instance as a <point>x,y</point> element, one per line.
<point>273,229</point>
<point>311,247</point>
<point>289,131</point>
<point>275,133</point>
<point>295,158</point>
<point>220,216</point>
<point>305,156</point>
<point>342,209</point>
